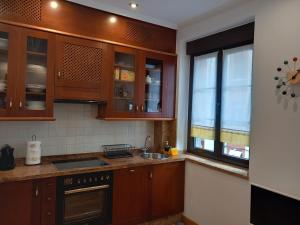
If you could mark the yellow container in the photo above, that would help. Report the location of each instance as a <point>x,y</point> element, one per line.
<point>173,151</point>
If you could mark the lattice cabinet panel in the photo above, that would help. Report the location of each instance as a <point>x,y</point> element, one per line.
<point>27,10</point>
<point>81,63</point>
<point>137,32</point>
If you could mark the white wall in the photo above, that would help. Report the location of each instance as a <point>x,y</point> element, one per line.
<point>75,131</point>
<point>211,197</point>
<point>215,198</point>
<point>275,154</point>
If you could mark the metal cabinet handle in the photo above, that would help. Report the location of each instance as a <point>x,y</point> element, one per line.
<point>151,175</point>
<point>81,190</point>
<point>10,103</point>
<point>132,171</point>
<point>37,192</point>
<point>142,108</point>
<point>59,74</point>
<point>137,108</point>
<point>21,104</point>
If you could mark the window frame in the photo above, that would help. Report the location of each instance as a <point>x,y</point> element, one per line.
<point>218,145</point>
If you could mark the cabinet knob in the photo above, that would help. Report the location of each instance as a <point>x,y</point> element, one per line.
<point>20,104</point>
<point>58,74</point>
<point>142,108</point>
<point>37,191</point>
<point>10,103</point>
<point>132,171</point>
<point>137,108</point>
<point>49,198</point>
<point>151,175</point>
<point>49,213</point>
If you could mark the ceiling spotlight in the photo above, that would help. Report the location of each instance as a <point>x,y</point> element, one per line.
<point>112,19</point>
<point>54,4</point>
<point>133,5</point>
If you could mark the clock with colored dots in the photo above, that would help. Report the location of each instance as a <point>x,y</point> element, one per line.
<point>289,76</point>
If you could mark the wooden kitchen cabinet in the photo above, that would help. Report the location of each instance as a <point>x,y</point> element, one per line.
<point>150,192</point>
<point>131,195</point>
<point>28,202</point>
<point>158,83</point>
<point>142,86</point>
<point>82,67</point>
<point>167,195</point>
<point>28,81</point>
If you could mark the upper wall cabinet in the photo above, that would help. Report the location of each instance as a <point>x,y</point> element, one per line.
<point>142,86</point>
<point>81,68</point>
<point>157,83</point>
<point>67,18</point>
<point>26,84</point>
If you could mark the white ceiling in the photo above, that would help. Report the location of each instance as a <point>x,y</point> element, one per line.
<point>169,13</point>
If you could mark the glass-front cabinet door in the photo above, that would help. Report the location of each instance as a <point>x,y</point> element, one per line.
<point>153,86</point>
<point>7,69</point>
<point>158,85</point>
<point>124,82</point>
<point>36,86</point>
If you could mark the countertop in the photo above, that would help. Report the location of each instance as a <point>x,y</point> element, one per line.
<point>47,169</point>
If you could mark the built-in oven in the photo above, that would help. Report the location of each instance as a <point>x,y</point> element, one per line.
<point>85,199</point>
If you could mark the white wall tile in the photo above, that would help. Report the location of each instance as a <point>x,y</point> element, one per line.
<point>75,131</point>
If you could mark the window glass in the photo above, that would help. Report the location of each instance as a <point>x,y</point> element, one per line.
<point>236,101</point>
<point>203,103</point>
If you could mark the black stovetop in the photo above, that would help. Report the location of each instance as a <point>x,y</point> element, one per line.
<point>79,163</point>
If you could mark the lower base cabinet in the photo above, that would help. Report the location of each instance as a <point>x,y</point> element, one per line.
<point>148,192</point>
<point>28,202</point>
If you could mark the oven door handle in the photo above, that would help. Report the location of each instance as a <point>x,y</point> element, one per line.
<point>81,190</point>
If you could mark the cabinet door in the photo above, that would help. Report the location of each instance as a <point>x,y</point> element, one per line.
<point>130,196</point>
<point>81,69</point>
<point>167,189</point>
<point>35,75</point>
<point>8,66</point>
<point>18,203</point>
<point>157,86</point>
<point>48,201</point>
<point>124,83</point>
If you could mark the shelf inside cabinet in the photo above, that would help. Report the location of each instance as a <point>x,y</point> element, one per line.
<point>124,81</point>
<point>37,53</point>
<point>125,66</point>
<point>123,98</point>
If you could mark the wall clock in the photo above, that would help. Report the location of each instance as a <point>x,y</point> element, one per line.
<point>289,77</point>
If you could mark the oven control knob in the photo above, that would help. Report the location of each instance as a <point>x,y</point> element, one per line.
<point>78,181</point>
<point>90,180</point>
<point>102,178</point>
<point>96,179</point>
<point>84,181</point>
<point>68,181</point>
<point>107,177</point>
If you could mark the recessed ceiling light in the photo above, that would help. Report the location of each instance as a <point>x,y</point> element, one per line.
<point>112,19</point>
<point>133,5</point>
<point>54,4</point>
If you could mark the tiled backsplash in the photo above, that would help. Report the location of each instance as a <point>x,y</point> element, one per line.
<point>75,131</point>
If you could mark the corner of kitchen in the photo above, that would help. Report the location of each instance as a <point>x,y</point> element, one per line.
<point>152,112</point>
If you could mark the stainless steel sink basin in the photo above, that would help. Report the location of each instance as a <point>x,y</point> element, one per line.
<point>153,156</point>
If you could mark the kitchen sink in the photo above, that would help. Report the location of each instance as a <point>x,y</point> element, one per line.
<point>153,156</point>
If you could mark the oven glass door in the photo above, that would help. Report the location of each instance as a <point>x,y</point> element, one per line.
<point>85,204</point>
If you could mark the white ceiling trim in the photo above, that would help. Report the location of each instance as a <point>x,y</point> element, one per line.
<point>123,12</point>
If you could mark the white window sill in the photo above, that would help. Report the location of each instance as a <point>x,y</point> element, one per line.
<point>219,166</point>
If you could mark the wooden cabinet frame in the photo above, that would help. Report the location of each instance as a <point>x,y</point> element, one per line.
<point>16,93</point>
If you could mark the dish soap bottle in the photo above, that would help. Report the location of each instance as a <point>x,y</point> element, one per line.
<point>167,147</point>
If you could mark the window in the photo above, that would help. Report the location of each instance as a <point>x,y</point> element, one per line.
<point>220,95</point>
<point>220,104</point>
